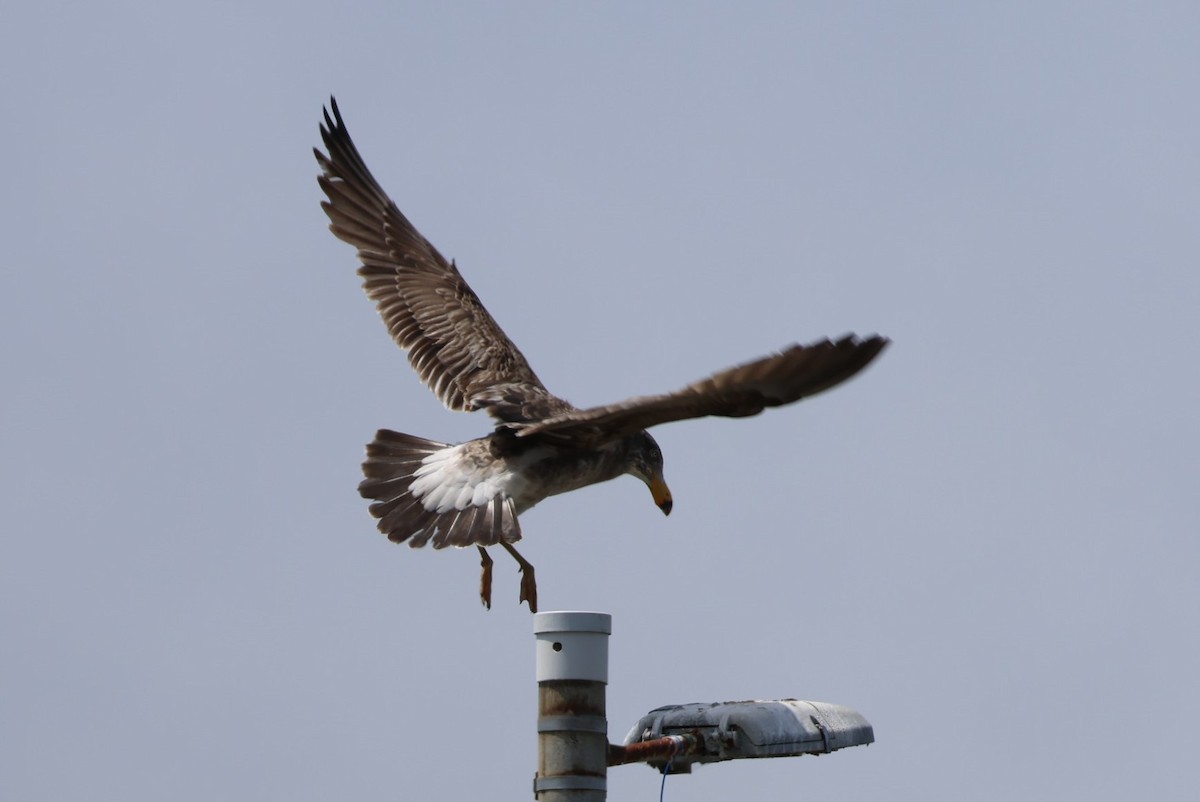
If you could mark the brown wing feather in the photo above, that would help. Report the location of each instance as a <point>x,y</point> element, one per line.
<point>795,373</point>
<point>455,346</point>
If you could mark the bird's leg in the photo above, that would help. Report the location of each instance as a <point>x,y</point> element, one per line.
<point>485,577</point>
<point>528,583</point>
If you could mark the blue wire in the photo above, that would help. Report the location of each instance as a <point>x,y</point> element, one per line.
<point>662,788</point>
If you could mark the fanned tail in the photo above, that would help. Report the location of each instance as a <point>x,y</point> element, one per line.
<point>393,460</point>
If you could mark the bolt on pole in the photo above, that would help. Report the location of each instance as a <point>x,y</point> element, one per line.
<point>572,675</point>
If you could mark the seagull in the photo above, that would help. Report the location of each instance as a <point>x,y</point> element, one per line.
<point>472,493</point>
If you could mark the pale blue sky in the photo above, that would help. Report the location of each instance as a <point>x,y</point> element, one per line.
<point>987,543</point>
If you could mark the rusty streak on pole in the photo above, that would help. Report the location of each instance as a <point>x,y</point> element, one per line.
<point>572,672</point>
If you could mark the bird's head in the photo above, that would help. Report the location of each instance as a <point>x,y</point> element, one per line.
<point>646,463</point>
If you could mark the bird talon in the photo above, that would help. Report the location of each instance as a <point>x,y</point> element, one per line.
<point>485,578</point>
<point>528,588</point>
<point>528,582</point>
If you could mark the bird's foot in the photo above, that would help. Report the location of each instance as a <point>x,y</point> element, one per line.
<point>528,583</point>
<point>529,587</point>
<point>485,578</point>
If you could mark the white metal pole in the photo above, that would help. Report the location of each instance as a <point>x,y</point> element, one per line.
<point>572,675</point>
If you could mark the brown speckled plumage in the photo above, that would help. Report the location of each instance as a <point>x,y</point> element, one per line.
<point>471,493</point>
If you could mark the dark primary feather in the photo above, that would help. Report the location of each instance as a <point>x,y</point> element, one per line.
<point>455,346</point>
<point>795,373</point>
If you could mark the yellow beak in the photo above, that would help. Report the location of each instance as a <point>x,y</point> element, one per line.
<point>661,494</point>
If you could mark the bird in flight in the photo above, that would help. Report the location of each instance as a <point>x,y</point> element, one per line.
<point>471,494</point>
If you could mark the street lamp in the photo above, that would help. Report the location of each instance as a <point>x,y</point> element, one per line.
<point>709,733</point>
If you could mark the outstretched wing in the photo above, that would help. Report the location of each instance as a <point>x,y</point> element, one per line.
<point>797,372</point>
<point>455,346</point>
